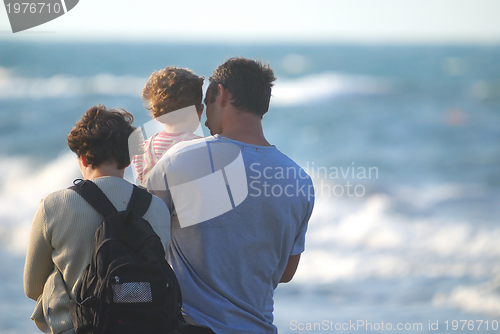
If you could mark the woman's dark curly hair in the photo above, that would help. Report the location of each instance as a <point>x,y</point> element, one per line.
<point>172,88</point>
<point>102,136</point>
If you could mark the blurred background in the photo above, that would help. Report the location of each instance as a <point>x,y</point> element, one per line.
<point>392,106</point>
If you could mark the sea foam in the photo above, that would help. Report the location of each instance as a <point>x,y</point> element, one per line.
<point>286,92</point>
<point>23,183</point>
<point>355,239</point>
<point>317,87</point>
<point>13,86</point>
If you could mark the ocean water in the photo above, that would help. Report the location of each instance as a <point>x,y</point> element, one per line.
<point>403,144</point>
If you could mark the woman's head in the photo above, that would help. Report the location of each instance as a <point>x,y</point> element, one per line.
<point>172,88</point>
<point>101,136</point>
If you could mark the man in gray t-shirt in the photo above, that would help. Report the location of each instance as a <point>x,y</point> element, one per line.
<point>240,207</point>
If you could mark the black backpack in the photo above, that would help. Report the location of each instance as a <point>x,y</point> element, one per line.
<point>128,287</point>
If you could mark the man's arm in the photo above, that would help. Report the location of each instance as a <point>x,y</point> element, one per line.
<point>291,268</point>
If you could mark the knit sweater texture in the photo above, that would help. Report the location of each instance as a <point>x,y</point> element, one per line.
<point>61,237</point>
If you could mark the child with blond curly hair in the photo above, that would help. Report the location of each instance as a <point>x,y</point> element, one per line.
<point>174,97</point>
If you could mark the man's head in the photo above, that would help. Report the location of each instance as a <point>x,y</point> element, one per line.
<point>101,136</point>
<point>249,82</point>
<point>172,88</point>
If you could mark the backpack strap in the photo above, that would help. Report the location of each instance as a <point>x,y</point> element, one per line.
<point>94,196</point>
<point>139,201</point>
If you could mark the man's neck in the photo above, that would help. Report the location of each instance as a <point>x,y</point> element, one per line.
<point>245,127</point>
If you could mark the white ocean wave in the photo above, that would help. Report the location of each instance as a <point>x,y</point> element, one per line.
<point>306,89</point>
<point>23,183</point>
<point>483,298</point>
<point>12,86</point>
<point>365,238</point>
<point>318,87</point>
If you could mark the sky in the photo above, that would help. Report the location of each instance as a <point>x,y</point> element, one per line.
<point>271,21</point>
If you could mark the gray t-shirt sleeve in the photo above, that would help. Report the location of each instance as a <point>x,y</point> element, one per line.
<point>299,243</point>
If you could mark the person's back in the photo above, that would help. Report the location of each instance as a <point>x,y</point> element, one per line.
<point>241,209</point>
<point>62,233</point>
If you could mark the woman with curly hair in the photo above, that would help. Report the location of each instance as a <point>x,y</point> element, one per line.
<point>174,97</point>
<point>62,233</point>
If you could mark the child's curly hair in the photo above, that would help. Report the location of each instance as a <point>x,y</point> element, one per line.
<point>172,88</point>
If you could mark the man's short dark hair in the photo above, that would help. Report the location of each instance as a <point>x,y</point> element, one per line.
<point>102,136</point>
<point>248,81</point>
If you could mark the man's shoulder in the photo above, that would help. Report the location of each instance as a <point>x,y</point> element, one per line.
<point>284,159</point>
<point>185,146</point>
<point>180,157</point>
<point>276,159</point>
